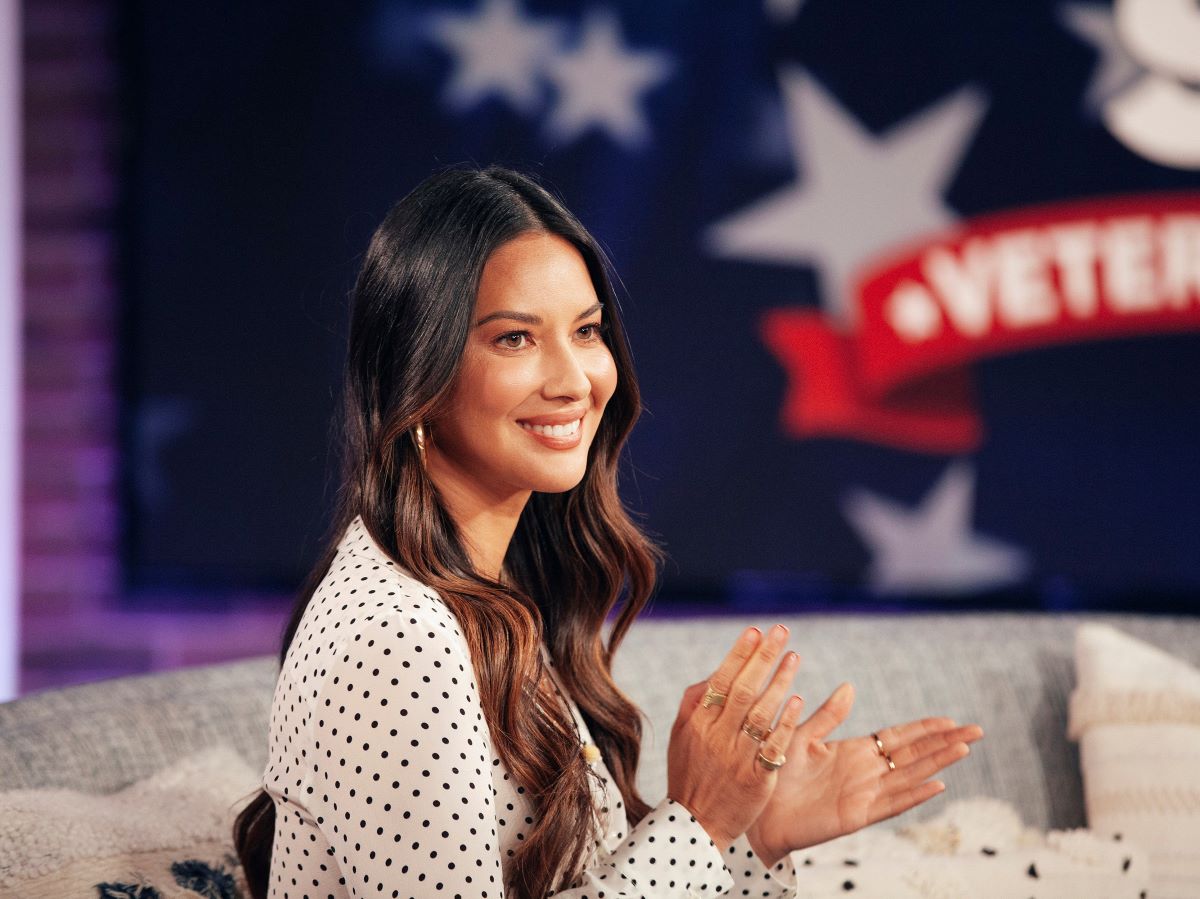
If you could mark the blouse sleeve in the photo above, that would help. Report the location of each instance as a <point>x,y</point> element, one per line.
<point>752,878</point>
<point>400,781</point>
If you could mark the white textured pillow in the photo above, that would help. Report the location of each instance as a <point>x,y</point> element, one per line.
<point>170,835</point>
<point>975,849</point>
<point>1136,714</point>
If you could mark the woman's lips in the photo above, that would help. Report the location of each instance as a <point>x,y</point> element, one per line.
<point>564,436</point>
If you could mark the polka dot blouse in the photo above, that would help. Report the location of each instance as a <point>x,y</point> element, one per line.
<point>384,780</point>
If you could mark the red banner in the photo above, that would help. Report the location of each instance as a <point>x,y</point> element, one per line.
<point>1029,278</point>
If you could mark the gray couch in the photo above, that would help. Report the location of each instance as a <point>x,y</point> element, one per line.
<point>1011,673</point>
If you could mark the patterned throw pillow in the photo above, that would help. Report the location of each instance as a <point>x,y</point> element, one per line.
<point>166,837</point>
<point>974,849</point>
<point>1136,714</point>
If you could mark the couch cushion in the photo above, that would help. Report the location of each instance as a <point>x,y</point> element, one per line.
<point>104,736</point>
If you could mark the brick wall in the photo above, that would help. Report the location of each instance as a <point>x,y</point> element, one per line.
<point>73,628</point>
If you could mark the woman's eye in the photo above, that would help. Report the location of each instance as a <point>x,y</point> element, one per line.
<point>512,341</point>
<point>592,331</point>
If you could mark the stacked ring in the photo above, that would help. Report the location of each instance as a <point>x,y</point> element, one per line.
<point>754,733</point>
<point>771,764</point>
<point>712,697</point>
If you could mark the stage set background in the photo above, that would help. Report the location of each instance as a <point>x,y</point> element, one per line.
<point>874,372</point>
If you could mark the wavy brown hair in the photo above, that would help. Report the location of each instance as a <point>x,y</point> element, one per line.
<point>574,557</point>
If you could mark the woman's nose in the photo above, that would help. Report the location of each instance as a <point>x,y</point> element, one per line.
<point>565,375</point>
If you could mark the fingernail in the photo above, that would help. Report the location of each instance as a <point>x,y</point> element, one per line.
<point>751,635</point>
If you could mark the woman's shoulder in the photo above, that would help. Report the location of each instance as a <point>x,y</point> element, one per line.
<point>358,551</point>
<point>373,641</point>
<point>358,558</point>
<point>363,588</point>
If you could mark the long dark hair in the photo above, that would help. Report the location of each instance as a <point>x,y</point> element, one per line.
<point>574,556</point>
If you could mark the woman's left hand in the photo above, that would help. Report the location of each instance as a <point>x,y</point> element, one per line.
<point>828,789</point>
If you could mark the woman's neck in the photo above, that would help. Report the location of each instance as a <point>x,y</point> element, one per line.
<point>486,523</point>
<point>486,534</point>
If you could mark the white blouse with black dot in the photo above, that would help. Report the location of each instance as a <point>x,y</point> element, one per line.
<point>385,783</point>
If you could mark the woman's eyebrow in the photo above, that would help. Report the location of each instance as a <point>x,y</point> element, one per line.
<point>529,319</point>
<point>515,316</point>
<point>590,310</point>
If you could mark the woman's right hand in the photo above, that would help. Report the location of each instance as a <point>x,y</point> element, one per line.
<point>712,763</point>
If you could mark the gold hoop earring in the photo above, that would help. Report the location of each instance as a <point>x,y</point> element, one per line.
<point>419,435</point>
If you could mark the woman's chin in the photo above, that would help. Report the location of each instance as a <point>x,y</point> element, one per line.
<point>560,481</point>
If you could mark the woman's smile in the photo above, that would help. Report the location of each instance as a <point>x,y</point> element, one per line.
<point>560,430</point>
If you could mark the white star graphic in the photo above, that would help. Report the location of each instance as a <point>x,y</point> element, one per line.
<point>1116,69</point>
<point>496,52</point>
<point>857,194</point>
<point>600,83</point>
<point>931,549</point>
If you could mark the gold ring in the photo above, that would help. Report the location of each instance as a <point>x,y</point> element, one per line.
<point>879,745</point>
<point>757,734</point>
<point>891,765</point>
<point>712,697</point>
<point>769,764</point>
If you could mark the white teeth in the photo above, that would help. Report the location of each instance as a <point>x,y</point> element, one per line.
<point>567,430</point>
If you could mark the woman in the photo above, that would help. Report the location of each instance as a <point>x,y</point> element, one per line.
<point>445,720</point>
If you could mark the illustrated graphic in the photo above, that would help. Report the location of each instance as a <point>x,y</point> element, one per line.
<point>1147,84</point>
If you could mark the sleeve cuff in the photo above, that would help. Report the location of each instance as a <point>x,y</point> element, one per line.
<point>668,853</point>
<point>752,878</point>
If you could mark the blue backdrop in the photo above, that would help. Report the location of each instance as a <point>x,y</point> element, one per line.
<point>737,161</point>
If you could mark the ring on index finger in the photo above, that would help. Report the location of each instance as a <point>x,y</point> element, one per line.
<point>712,697</point>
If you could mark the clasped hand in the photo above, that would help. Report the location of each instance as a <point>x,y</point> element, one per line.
<point>787,787</point>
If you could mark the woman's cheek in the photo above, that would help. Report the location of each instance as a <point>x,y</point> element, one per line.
<point>605,380</point>
<point>507,383</point>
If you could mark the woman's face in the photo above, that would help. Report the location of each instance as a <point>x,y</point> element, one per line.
<point>535,378</point>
